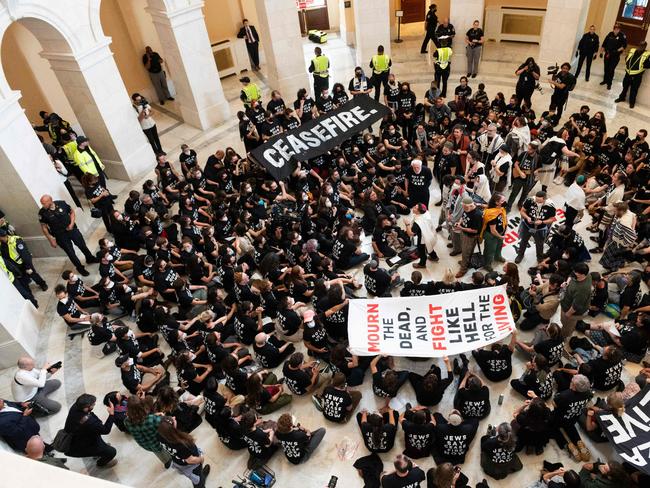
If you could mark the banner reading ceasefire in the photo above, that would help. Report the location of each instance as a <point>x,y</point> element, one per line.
<point>429,326</point>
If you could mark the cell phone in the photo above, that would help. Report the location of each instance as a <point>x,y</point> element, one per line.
<point>56,365</point>
<point>333,481</point>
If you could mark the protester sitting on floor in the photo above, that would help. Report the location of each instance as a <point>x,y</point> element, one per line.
<point>454,436</point>
<point>430,388</point>
<point>378,429</point>
<point>419,431</point>
<point>498,456</point>
<point>297,442</point>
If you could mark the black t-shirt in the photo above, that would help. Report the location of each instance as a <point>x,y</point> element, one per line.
<point>294,444</point>
<point>569,406</point>
<point>268,355</point>
<point>472,220</point>
<point>245,328</point>
<point>68,307</point>
<point>463,92</point>
<point>131,379</point>
<point>306,109</point>
<point>335,403</point>
<point>75,289</point>
<point>473,404</point>
<point>276,107</point>
<point>178,452</point>
<point>258,442</point>
<point>496,365</point>
<point>378,386</point>
<point>315,336</point>
<point>606,375</point>
<point>453,441</point>
<point>386,437</point>
<point>419,183</point>
<point>289,321</point>
<point>377,282</point>
<point>418,439</point>
<point>499,224</point>
<point>539,212</point>
<point>324,104</point>
<point>551,349</point>
<point>99,334</point>
<point>297,380</point>
<point>496,453</point>
<point>237,381</point>
<point>474,34</point>
<point>155,66</point>
<point>412,480</point>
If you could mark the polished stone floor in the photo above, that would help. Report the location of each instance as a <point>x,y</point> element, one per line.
<point>83,372</point>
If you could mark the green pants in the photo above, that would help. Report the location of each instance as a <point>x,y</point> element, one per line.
<point>491,249</point>
<point>283,399</point>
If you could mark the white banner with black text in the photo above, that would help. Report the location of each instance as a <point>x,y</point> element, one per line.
<point>429,326</point>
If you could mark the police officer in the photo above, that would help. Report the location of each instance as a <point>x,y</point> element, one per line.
<point>636,62</point>
<point>14,249</point>
<point>587,50</point>
<point>16,281</point>
<point>613,45</point>
<point>445,33</point>
<point>320,68</point>
<point>442,67</point>
<point>380,64</point>
<point>57,220</point>
<point>87,160</point>
<point>430,24</point>
<point>249,92</point>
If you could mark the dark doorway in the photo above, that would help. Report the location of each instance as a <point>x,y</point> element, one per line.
<point>634,17</point>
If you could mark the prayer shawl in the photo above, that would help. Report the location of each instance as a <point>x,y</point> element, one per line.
<point>490,214</point>
<point>427,229</point>
<point>623,232</point>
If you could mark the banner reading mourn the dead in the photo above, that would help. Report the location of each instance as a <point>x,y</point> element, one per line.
<point>630,433</point>
<point>429,326</point>
<point>279,154</point>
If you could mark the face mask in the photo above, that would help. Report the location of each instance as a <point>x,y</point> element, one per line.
<point>109,285</point>
<point>187,151</point>
<point>455,186</point>
<point>311,324</point>
<point>565,256</point>
<point>391,132</point>
<point>328,204</point>
<point>109,258</point>
<point>64,300</point>
<point>371,141</point>
<point>129,361</point>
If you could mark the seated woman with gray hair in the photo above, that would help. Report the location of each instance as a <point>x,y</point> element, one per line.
<point>498,456</point>
<point>569,406</point>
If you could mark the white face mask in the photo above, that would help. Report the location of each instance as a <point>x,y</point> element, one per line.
<point>110,285</point>
<point>64,300</point>
<point>129,361</point>
<point>311,324</point>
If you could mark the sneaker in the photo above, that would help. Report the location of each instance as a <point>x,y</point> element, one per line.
<point>439,228</point>
<point>419,266</point>
<point>594,238</point>
<point>596,250</point>
<point>603,83</point>
<point>168,464</point>
<point>456,367</point>
<point>204,475</point>
<point>317,403</point>
<point>171,99</point>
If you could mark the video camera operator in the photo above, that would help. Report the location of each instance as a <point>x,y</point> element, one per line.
<point>562,82</point>
<point>147,123</point>
<point>528,73</point>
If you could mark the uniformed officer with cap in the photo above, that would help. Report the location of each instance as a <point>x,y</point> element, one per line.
<point>320,66</point>
<point>57,220</point>
<point>249,92</point>
<point>14,249</point>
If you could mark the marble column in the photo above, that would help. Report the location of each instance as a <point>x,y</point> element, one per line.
<point>564,24</point>
<point>18,325</point>
<point>189,60</point>
<point>372,21</point>
<point>462,13</point>
<point>27,173</point>
<point>279,32</point>
<point>96,92</point>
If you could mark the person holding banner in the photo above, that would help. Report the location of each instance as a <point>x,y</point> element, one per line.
<point>423,230</point>
<point>430,388</point>
<point>496,362</point>
<point>386,382</point>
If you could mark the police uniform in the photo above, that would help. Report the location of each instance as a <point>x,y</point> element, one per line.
<point>611,45</point>
<point>15,280</point>
<point>88,161</point>
<point>57,221</point>
<point>320,68</point>
<point>380,65</point>
<point>14,249</point>
<point>249,93</point>
<point>442,68</point>
<point>636,63</point>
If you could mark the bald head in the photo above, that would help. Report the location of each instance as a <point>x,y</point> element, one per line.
<point>46,201</point>
<point>260,339</point>
<point>26,363</point>
<point>35,448</point>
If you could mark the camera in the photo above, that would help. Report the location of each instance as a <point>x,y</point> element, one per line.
<point>143,102</point>
<point>56,365</point>
<point>553,70</point>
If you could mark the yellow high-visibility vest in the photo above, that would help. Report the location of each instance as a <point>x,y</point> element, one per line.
<point>85,161</point>
<point>70,148</point>
<point>380,63</point>
<point>252,92</point>
<point>444,55</point>
<point>321,66</point>
<point>630,70</point>
<point>3,267</point>
<point>13,252</point>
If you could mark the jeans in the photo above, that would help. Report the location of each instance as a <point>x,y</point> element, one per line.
<point>538,235</point>
<point>473,58</point>
<point>316,438</point>
<point>357,259</point>
<point>491,249</point>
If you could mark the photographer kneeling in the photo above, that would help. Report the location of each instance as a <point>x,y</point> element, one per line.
<point>562,82</point>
